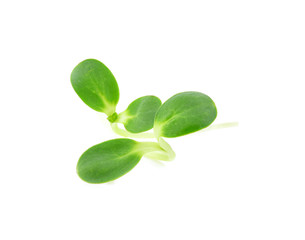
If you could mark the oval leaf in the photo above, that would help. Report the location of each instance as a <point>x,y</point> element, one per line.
<point>184,113</point>
<point>108,161</point>
<point>140,114</point>
<point>96,86</point>
<point>112,159</point>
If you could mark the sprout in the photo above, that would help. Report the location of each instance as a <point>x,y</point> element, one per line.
<point>182,114</point>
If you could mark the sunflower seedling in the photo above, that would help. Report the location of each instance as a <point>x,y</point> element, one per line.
<point>182,114</point>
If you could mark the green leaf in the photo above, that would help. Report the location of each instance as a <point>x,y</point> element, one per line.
<point>140,114</point>
<point>96,86</point>
<point>184,113</point>
<point>112,159</point>
<point>108,160</point>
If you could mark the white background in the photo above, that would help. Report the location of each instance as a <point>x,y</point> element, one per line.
<point>240,183</point>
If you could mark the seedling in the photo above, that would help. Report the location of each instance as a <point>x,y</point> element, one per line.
<point>182,114</point>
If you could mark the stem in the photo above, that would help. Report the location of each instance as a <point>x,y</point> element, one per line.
<point>167,148</point>
<point>147,147</point>
<point>165,153</point>
<point>220,126</point>
<point>154,151</point>
<point>162,156</point>
<point>125,133</point>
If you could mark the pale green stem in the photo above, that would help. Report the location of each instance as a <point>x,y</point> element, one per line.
<point>154,151</point>
<point>162,156</point>
<point>147,147</point>
<point>167,148</point>
<point>166,154</point>
<point>125,133</point>
<point>220,126</point>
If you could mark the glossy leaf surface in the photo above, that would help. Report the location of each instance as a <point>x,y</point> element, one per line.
<point>140,114</point>
<point>184,113</point>
<point>96,86</point>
